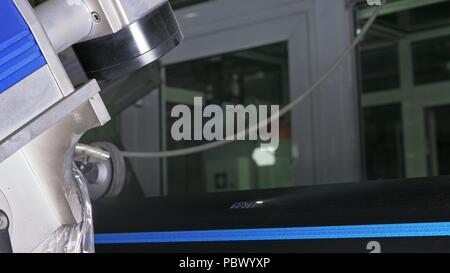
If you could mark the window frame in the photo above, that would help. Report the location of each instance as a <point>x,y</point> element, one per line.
<point>414,101</point>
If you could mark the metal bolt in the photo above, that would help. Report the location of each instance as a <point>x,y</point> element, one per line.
<point>97,153</point>
<point>96,17</point>
<point>3,221</point>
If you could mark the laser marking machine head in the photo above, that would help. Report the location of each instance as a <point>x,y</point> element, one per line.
<point>113,37</point>
<point>44,206</point>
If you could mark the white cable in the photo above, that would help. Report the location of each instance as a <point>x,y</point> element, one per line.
<point>285,110</point>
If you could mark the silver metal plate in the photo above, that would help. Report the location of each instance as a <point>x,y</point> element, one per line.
<point>27,99</point>
<point>48,118</point>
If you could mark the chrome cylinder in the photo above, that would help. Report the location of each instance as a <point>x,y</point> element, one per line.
<point>66,22</point>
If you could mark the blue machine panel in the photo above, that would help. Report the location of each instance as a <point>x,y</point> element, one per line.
<point>20,54</point>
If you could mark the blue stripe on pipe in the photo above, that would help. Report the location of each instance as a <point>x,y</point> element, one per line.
<point>441,229</point>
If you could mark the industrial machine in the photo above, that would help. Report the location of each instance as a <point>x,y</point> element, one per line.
<point>44,202</point>
<point>48,179</point>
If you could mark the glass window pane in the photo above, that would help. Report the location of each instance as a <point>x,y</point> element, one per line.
<point>383,142</point>
<point>431,60</point>
<point>439,139</point>
<point>248,76</point>
<point>256,76</point>
<point>380,69</point>
<point>379,58</point>
<point>421,18</point>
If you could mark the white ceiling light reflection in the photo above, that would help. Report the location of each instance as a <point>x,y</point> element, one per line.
<point>264,156</point>
<point>191,15</point>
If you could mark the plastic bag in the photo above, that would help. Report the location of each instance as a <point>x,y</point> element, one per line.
<point>78,238</point>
